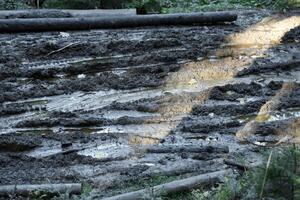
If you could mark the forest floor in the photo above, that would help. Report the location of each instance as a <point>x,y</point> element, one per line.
<point>117,108</point>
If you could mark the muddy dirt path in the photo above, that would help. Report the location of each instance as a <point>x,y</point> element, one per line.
<point>118,107</point>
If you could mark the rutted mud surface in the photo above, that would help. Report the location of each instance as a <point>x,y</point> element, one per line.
<point>118,106</point>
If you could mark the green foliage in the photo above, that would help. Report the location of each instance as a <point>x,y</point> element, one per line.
<point>12,4</point>
<point>282,179</point>
<point>171,6</point>
<point>74,4</point>
<point>168,6</point>
<point>87,4</point>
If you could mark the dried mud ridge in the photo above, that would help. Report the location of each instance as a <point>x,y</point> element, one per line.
<point>118,107</point>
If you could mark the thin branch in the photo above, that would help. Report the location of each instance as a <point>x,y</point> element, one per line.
<point>61,49</point>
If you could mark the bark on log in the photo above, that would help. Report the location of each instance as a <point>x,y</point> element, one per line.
<point>101,12</point>
<point>175,186</point>
<point>23,190</point>
<point>190,149</point>
<point>63,24</point>
<point>28,14</point>
<point>237,165</point>
<point>54,13</point>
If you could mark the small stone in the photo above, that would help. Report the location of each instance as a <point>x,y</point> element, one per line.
<point>192,82</point>
<point>64,34</point>
<point>81,76</point>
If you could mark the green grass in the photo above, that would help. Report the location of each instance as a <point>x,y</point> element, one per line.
<point>167,6</point>
<point>207,5</point>
<point>278,180</point>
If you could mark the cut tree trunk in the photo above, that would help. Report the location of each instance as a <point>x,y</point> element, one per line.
<point>175,186</point>
<point>55,13</point>
<point>64,24</point>
<point>23,190</point>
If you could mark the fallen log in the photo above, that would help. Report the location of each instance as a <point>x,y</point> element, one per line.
<point>175,186</point>
<point>23,190</point>
<point>32,13</point>
<point>237,165</point>
<point>55,13</point>
<point>63,24</point>
<point>101,12</point>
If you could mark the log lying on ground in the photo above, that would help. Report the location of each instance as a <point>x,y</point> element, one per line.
<point>189,148</point>
<point>54,13</point>
<point>23,190</point>
<point>64,24</point>
<point>176,186</point>
<point>241,166</point>
<point>237,165</point>
<point>27,14</point>
<point>101,12</point>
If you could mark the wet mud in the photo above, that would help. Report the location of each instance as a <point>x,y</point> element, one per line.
<point>115,107</point>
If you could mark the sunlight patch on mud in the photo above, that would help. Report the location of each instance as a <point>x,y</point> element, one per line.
<point>108,152</point>
<point>275,116</point>
<point>268,32</point>
<point>227,62</point>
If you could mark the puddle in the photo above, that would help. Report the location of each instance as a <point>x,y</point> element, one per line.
<point>124,113</point>
<point>64,63</point>
<point>100,99</point>
<point>108,152</point>
<point>47,149</point>
<point>35,102</point>
<point>155,131</point>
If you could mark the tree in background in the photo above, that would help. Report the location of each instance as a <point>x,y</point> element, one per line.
<point>114,4</point>
<point>36,3</point>
<point>12,4</point>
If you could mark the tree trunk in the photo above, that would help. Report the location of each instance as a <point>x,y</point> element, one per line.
<point>23,190</point>
<point>64,24</point>
<point>175,186</point>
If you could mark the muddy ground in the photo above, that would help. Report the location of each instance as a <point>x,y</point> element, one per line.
<point>113,108</point>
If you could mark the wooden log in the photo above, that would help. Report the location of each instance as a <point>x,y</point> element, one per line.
<point>23,190</point>
<point>101,12</point>
<point>55,13</point>
<point>242,167</point>
<point>64,24</point>
<point>189,149</point>
<point>176,186</point>
<point>237,165</point>
<point>28,14</point>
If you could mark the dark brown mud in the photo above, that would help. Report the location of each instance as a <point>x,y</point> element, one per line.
<point>118,107</point>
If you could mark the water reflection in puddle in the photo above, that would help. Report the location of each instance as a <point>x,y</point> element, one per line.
<point>108,152</point>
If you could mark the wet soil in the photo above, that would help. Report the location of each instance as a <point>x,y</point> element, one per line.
<point>117,107</point>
